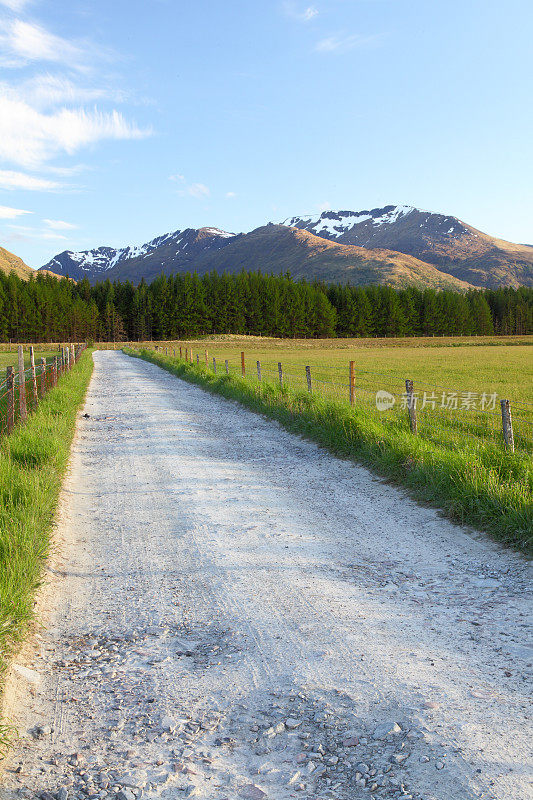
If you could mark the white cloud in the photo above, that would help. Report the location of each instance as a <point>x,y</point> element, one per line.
<point>231,194</point>
<point>14,5</point>
<point>343,43</point>
<point>30,137</point>
<point>59,225</point>
<point>24,232</point>
<point>10,179</point>
<point>301,14</point>
<point>11,213</point>
<point>24,42</point>
<point>198,190</point>
<point>47,91</point>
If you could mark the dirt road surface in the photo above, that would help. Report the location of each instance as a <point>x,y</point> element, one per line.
<point>234,613</point>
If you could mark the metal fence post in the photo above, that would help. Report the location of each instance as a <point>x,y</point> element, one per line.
<point>243,369</point>
<point>10,381</point>
<point>308,376</point>
<point>214,365</point>
<point>227,367</point>
<point>22,386</point>
<point>411,406</point>
<point>280,373</point>
<point>507,425</point>
<point>352,383</point>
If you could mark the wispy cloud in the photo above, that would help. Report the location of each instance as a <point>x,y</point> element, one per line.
<point>30,138</point>
<point>6,212</point>
<point>26,233</point>
<point>59,225</point>
<point>23,42</point>
<point>299,13</point>
<point>10,179</point>
<point>198,190</point>
<point>231,194</point>
<point>342,43</point>
<point>14,5</point>
<point>48,91</point>
<point>45,116</point>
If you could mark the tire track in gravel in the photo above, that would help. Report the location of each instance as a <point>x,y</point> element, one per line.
<point>240,614</point>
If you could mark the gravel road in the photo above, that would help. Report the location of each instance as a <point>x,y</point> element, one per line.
<point>231,612</point>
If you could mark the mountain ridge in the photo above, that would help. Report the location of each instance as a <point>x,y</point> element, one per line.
<point>394,243</point>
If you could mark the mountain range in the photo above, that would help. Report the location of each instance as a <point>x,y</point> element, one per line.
<point>394,245</point>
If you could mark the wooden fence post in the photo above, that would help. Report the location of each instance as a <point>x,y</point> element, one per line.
<point>507,425</point>
<point>174,351</point>
<point>34,376</point>
<point>411,406</point>
<point>22,386</point>
<point>308,376</point>
<point>214,365</point>
<point>243,369</point>
<point>352,383</point>
<point>180,352</point>
<point>206,358</point>
<point>43,376</point>
<point>280,373</point>
<point>227,367</point>
<point>197,359</point>
<point>73,355</point>
<point>10,381</point>
<point>259,371</point>
<point>54,372</point>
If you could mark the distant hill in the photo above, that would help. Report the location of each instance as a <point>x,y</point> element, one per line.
<point>395,245</point>
<point>9,262</point>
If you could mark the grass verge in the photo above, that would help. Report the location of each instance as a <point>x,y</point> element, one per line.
<point>33,461</point>
<point>493,495</point>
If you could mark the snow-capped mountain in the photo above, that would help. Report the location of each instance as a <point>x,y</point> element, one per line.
<point>97,264</point>
<point>381,227</point>
<point>439,241</point>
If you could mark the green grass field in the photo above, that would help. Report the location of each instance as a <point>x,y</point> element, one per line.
<point>33,460</point>
<point>479,372</point>
<point>10,358</point>
<point>457,461</point>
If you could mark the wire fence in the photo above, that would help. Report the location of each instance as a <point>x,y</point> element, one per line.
<point>443,415</point>
<point>24,387</point>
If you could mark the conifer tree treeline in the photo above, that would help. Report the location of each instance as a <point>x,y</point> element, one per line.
<point>47,309</point>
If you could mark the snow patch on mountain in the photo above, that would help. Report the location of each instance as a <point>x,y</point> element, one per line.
<point>335,223</point>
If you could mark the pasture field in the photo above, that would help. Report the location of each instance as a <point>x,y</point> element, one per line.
<point>9,358</point>
<point>458,386</point>
<point>457,460</point>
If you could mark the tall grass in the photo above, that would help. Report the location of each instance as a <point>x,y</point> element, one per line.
<point>33,461</point>
<point>493,494</point>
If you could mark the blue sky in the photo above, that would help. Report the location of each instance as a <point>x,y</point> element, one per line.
<point>123,120</point>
